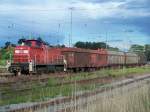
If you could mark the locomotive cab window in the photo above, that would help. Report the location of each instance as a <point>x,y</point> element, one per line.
<point>38,44</point>
<point>28,43</point>
<point>33,43</point>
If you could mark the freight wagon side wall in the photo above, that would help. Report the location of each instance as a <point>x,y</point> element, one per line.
<point>55,56</point>
<point>101,60</point>
<point>115,58</point>
<point>142,59</point>
<point>131,58</point>
<point>93,59</point>
<point>69,57</point>
<point>77,59</point>
<point>82,59</point>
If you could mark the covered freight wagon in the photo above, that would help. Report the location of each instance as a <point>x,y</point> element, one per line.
<point>115,58</point>
<point>83,58</point>
<point>142,59</point>
<point>131,58</point>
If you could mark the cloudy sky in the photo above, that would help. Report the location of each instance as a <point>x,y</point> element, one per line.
<point>120,22</point>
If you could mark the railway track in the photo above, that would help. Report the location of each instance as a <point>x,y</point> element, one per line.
<point>44,78</point>
<point>37,107</point>
<point>6,75</point>
<point>10,77</point>
<point>22,86</point>
<point>97,80</point>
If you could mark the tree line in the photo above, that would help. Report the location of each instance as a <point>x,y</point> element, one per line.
<point>94,45</point>
<point>145,49</point>
<point>138,49</point>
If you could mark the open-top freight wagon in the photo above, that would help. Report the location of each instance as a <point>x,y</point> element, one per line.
<point>35,56</point>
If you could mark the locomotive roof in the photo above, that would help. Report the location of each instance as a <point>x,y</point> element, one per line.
<point>35,40</point>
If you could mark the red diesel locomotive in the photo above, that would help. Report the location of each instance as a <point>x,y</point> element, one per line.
<point>34,56</point>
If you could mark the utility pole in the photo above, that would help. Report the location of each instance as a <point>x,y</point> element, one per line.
<point>71,26</point>
<point>106,39</point>
<point>58,33</point>
<point>106,28</point>
<point>128,41</point>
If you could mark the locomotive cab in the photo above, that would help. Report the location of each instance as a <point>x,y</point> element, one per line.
<point>21,54</point>
<point>24,56</point>
<point>21,58</point>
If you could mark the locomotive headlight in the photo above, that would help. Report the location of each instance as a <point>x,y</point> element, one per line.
<point>17,51</point>
<point>25,51</point>
<point>22,51</point>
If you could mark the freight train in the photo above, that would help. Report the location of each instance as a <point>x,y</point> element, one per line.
<point>34,56</point>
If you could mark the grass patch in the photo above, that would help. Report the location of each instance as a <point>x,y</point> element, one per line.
<point>41,93</point>
<point>108,73</point>
<point>136,100</point>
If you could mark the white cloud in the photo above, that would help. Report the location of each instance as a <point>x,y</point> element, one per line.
<point>99,10</point>
<point>43,12</point>
<point>84,9</point>
<point>109,9</point>
<point>47,15</point>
